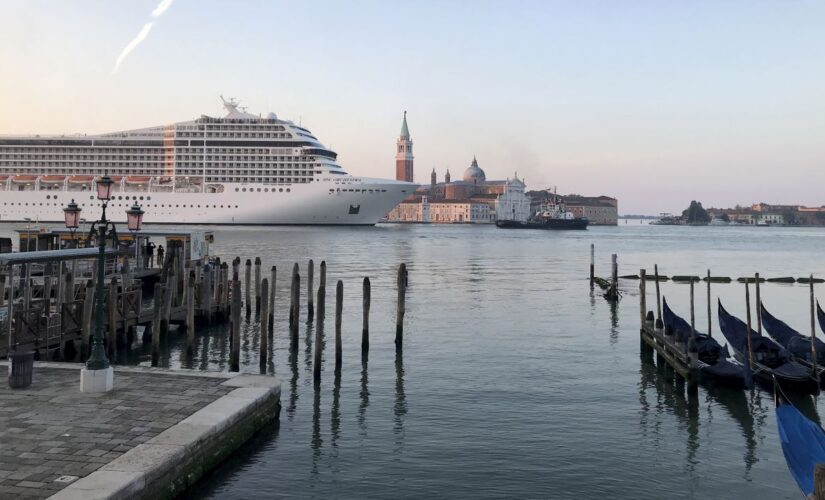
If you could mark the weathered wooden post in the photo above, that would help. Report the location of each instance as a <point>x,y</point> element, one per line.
<point>323,281</point>
<point>157,313</point>
<point>236,264</point>
<point>274,272</point>
<point>642,297</point>
<point>112,319</point>
<point>86,329</point>
<point>592,263</point>
<point>68,288</point>
<point>310,283</point>
<point>3,289</point>
<point>748,314</point>
<point>692,351</point>
<point>658,296</point>
<point>190,314</point>
<point>709,313</point>
<point>206,304</point>
<point>365,330</point>
<point>339,308</point>
<point>813,333</point>
<point>168,295</point>
<point>319,335</point>
<point>248,287</point>
<point>225,290</point>
<point>264,322</point>
<point>819,482</point>
<point>293,297</point>
<point>401,305</point>
<point>235,351</point>
<point>257,284</point>
<point>47,295</point>
<point>758,306</point>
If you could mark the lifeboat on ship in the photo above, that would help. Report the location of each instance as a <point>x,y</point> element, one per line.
<point>116,178</point>
<point>165,180</point>
<point>80,179</point>
<point>4,178</point>
<point>52,179</point>
<point>133,180</point>
<point>23,179</point>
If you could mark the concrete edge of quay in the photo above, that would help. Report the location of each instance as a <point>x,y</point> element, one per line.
<point>174,460</point>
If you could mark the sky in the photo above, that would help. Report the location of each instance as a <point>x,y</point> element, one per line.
<point>653,102</point>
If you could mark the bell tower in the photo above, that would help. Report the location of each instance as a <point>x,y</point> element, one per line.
<point>404,154</point>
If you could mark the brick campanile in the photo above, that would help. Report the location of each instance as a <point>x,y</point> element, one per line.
<point>404,154</point>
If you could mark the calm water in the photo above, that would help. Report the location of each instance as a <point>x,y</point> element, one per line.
<point>515,381</point>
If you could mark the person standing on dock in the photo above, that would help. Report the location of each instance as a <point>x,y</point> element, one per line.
<point>160,255</point>
<point>149,258</point>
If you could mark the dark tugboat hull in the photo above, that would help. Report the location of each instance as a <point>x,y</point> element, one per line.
<point>578,223</point>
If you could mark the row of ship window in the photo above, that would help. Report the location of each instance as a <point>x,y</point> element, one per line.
<point>339,190</point>
<point>121,205</point>
<point>265,190</point>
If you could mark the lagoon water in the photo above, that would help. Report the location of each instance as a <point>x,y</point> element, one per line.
<point>515,380</point>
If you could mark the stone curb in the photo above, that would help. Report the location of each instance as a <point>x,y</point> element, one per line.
<point>172,461</point>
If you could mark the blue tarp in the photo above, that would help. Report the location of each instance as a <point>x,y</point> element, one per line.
<point>803,443</point>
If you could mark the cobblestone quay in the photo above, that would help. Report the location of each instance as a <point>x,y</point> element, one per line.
<point>52,436</point>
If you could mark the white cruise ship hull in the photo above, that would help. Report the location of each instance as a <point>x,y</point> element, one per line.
<point>347,201</point>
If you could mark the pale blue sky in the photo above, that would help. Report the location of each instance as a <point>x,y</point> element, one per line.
<point>655,103</point>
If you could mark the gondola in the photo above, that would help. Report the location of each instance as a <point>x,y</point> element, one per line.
<point>714,363</point>
<point>803,444</point>
<point>770,360</point>
<point>820,315</point>
<point>797,345</point>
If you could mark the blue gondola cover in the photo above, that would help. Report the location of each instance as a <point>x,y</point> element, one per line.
<point>803,443</point>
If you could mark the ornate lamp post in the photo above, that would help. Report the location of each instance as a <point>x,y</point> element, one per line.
<point>134,221</point>
<point>72,215</point>
<point>98,376</point>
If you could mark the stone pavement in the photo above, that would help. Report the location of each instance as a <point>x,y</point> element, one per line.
<point>51,434</point>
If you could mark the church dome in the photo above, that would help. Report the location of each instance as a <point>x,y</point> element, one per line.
<point>474,174</point>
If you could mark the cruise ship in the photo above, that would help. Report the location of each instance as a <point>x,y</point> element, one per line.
<point>239,169</point>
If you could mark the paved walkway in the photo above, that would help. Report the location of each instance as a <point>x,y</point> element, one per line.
<point>51,434</point>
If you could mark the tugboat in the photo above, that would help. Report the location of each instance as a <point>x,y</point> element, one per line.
<point>552,215</point>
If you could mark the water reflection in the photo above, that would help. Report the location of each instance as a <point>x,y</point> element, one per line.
<point>364,394</point>
<point>316,443</point>
<point>614,321</point>
<point>400,406</point>
<point>293,384</point>
<point>335,412</point>
<point>736,404</point>
<point>669,398</point>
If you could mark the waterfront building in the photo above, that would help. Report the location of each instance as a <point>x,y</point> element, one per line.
<point>471,200</point>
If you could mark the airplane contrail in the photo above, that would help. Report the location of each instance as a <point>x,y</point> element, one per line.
<point>162,7</point>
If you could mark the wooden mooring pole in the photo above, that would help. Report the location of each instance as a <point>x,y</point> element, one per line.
<point>257,284</point>
<point>758,307</point>
<point>274,272</point>
<point>710,317</point>
<point>401,283</point>
<point>88,308</point>
<point>235,350</point>
<point>310,283</point>
<point>295,305</point>
<point>748,316</point>
<point>658,297</point>
<point>642,297</point>
<point>156,315</point>
<point>248,287</point>
<point>339,309</point>
<point>592,263</point>
<point>365,329</point>
<point>813,332</point>
<point>190,314</point>
<point>264,345</point>
<point>819,482</point>
<point>319,335</point>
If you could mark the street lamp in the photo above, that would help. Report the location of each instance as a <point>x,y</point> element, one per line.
<point>98,375</point>
<point>72,215</point>
<point>134,221</point>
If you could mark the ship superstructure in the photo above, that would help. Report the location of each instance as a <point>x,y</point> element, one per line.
<point>241,168</point>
